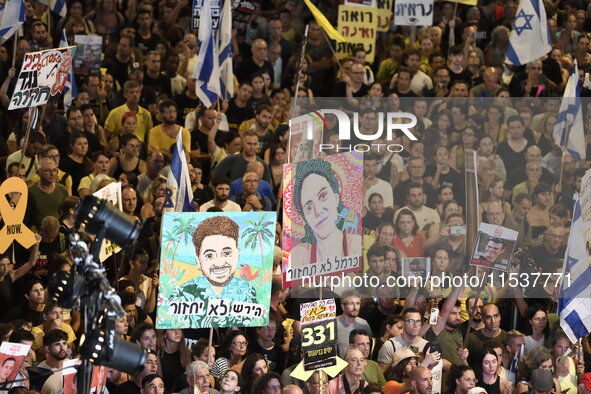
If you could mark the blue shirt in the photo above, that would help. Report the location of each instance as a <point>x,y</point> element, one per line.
<point>264,189</point>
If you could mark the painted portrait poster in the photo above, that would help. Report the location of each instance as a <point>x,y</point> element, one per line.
<point>215,269</point>
<point>12,356</point>
<point>322,217</point>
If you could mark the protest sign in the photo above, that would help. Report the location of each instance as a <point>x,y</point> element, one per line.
<point>242,11</point>
<point>13,228</point>
<point>319,334</point>
<point>416,266</point>
<point>322,217</point>
<point>215,269</point>
<point>11,358</point>
<point>43,75</point>
<point>305,137</point>
<point>111,193</point>
<point>215,13</point>
<point>366,3</point>
<point>494,247</point>
<point>359,26</point>
<point>413,12</point>
<point>88,54</point>
<point>385,14</point>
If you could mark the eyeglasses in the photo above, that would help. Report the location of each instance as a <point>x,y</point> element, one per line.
<point>240,343</point>
<point>413,322</point>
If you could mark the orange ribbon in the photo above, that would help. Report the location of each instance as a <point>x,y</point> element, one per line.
<point>14,229</point>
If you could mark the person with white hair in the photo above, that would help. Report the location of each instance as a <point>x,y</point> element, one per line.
<point>197,375</point>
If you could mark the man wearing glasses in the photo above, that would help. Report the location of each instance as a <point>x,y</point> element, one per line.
<point>349,320</point>
<point>216,248</point>
<point>409,339</point>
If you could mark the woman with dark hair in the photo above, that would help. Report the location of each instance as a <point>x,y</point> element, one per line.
<point>137,265</point>
<point>406,238</point>
<point>392,327</point>
<point>488,373</point>
<point>77,164</point>
<point>463,379</point>
<point>276,161</point>
<point>318,201</point>
<point>269,383</point>
<point>377,212</point>
<point>129,157</point>
<point>538,321</point>
<point>398,373</point>
<point>67,217</point>
<point>439,133</point>
<point>280,136</point>
<point>232,352</point>
<point>539,215</point>
<point>254,366</point>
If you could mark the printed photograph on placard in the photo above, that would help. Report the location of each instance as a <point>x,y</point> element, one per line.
<point>88,54</point>
<point>494,247</point>
<point>305,137</point>
<point>11,358</point>
<point>416,266</point>
<point>215,269</point>
<point>322,217</point>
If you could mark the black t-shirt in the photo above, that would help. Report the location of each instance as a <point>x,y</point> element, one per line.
<point>117,69</point>
<point>184,106</point>
<point>545,261</point>
<point>237,115</point>
<point>171,369</point>
<point>340,90</point>
<point>76,170</point>
<point>199,141</point>
<point>159,85</point>
<point>147,44</point>
<point>247,68</point>
<point>510,158</point>
<point>128,387</point>
<point>452,179</point>
<point>463,75</point>
<point>371,221</point>
<point>274,356</point>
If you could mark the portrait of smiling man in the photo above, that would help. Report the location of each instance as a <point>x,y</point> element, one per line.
<point>216,242</point>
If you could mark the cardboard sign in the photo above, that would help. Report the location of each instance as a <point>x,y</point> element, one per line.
<point>413,12</point>
<point>330,243</point>
<point>215,13</point>
<point>385,14</point>
<point>43,75</point>
<point>12,356</point>
<point>14,229</point>
<point>359,26</point>
<point>301,147</point>
<point>319,334</point>
<point>111,193</point>
<point>215,269</point>
<point>88,54</point>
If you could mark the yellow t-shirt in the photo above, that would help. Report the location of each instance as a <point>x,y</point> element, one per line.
<point>157,138</point>
<point>38,333</point>
<point>143,117</point>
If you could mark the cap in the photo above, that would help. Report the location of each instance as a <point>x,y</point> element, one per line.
<point>586,380</point>
<point>542,380</point>
<point>134,67</point>
<point>477,390</point>
<point>402,354</point>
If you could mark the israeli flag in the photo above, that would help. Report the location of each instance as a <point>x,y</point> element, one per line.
<point>70,89</point>
<point>225,51</point>
<point>568,129</point>
<point>574,298</point>
<point>12,16</point>
<point>179,195</point>
<point>58,7</point>
<point>530,36</point>
<point>207,70</point>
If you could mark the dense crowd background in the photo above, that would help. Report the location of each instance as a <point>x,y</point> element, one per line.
<point>124,120</point>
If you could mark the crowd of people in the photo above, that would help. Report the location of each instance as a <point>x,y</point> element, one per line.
<point>451,76</point>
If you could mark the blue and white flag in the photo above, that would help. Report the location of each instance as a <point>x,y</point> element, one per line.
<point>35,118</point>
<point>207,70</point>
<point>574,298</point>
<point>225,50</point>
<point>70,89</point>
<point>58,7</point>
<point>179,195</point>
<point>12,16</point>
<point>530,35</point>
<point>568,129</point>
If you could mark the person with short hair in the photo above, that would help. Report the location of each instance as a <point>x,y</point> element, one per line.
<point>100,164</point>
<point>28,156</point>
<point>234,166</point>
<point>372,373</point>
<point>163,137</point>
<point>132,94</point>
<point>221,190</point>
<point>197,375</point>
<point>351,380</point>
<point>250,200</point>
<point>349,320</point>
<point>46,196</point>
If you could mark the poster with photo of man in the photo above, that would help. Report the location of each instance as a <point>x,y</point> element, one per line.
<point>215,269</point>
<point>494,247</point>
<point>12,356</point>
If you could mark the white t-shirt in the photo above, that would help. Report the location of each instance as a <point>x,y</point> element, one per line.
<point>231,206</point>
<point>386,354</point>
<point>385,191</point>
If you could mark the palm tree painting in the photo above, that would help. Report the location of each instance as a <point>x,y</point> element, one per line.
<point>183,230</point>
<point>257,234</point>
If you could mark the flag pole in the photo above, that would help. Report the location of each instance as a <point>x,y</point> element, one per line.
<point>564,148</point>
<point>14,49</point>
<point>333,51</point>
<point>27,133</point>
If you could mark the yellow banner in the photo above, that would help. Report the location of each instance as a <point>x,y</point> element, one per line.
<point>324,23</point>
<point>359,26</point>
<point>385,14</point>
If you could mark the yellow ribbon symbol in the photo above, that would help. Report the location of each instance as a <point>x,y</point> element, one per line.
<point>14,228</point>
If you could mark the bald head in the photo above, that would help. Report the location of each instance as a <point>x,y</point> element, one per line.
<point>291,389</point>
<point>533,153</point>
<point>256,167</point>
